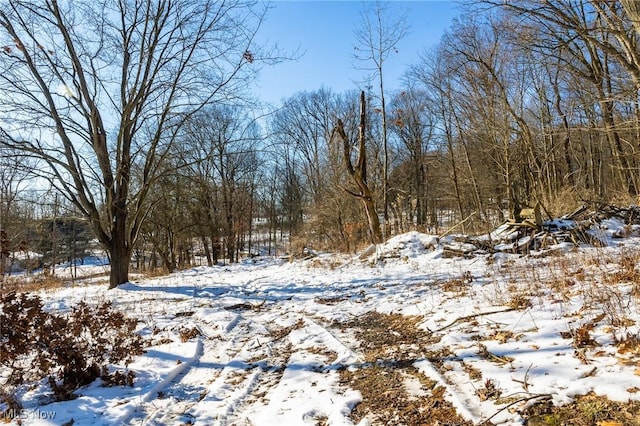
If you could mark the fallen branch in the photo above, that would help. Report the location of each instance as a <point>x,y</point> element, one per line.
<point>468,317</point>
<point>456,225</point>
<point>544,396</point>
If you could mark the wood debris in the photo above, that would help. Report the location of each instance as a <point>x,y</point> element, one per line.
<point>529,234</point>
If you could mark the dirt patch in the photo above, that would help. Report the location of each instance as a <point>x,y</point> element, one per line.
<point>586,410</point>
<point>390,336</point>
<point>391,344</point>
<point>278,333</point>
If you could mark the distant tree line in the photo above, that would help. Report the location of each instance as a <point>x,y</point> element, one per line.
<point>520,102</point>
<point>38,233</point>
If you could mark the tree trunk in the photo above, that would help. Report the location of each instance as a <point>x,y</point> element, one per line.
<point>120,256</point>
<point>119,248</point>
<point>373,220</point>
<point>207,251</point>
<point>615,142</point>
<point>215,247</point>
<point>385,171</point>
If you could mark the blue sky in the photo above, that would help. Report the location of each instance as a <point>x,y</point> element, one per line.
<point>324,32</point>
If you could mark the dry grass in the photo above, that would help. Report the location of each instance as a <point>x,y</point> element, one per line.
<point>519,301</point>
<point>187,334</point>
<point>588,410</point>
<point>387,402</point>
<point>278,333</point>
<point>458,286</point>
<point>155,272</point>
<point>32,283</point>
<point>391,344</point>
<point>472,372</point>
<point>489,390</point>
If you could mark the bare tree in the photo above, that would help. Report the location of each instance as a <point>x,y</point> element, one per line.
<point>632,7</point>
<point>596,36</point>
<point>304,125</point>
<point>101,88</point>
<point>358,173</point>
<point>376,38</point>
<point>413,124</point>
<point>433,73</point>
<point>302,128</point>
<point>223,143</point>
<point>13,177</point>
<point>168,225</point>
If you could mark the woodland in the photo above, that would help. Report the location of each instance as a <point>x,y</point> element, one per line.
<point>127,126</point>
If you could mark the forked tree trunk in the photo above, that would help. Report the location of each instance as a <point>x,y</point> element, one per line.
<point>358,172</point>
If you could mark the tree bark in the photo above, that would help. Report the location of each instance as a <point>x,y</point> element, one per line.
<point>120,256</point>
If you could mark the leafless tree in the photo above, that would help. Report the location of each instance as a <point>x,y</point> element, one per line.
<point>304,124</point>
<point>13,179</point>
<point>358,172</point>
<point>632,7</point>
<point>377,38</point>
<point>223,145</point>
<point>434,74</point>
<point>593,38</point>
<point>100,88</point>
<point>413,123</point>
<point>302,128</point>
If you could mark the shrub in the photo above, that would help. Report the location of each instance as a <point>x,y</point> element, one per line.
<point>69,350</point>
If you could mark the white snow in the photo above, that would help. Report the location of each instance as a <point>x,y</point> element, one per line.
<point>268,352</point>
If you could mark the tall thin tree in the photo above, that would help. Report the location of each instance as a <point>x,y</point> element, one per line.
<point>377,37</point>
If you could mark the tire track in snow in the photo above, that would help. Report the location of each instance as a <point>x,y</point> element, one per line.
<point>238,364</point>
<point>184,386</point>
<point>325,337</point>
<point>129,409</point>
<point>468,406</point>
<point>224,396</point>
<point>239,381</point>
<point>312,355</point>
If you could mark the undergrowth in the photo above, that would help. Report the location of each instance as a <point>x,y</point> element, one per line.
<point>586,410</point>
<point>68,350</point>
<point>28,284</point>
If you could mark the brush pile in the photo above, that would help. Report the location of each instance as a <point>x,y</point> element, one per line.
<point>529,234</point>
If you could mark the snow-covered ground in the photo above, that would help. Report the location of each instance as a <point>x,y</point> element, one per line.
<point>268,347</point>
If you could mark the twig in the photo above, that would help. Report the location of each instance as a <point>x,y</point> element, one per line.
<point>589,373</point>
<point>526,398</point>
<point>525,382</point>
<point>468,317</point>
<point>456,225</point>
